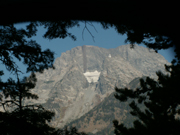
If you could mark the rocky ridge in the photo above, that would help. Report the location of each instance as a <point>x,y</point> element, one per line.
<point>71,92</point>
<point>98,121</point>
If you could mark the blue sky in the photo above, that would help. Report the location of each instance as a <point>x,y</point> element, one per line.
<point>103,38</point>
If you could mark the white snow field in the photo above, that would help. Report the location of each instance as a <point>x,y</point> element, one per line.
<point>92,76</point>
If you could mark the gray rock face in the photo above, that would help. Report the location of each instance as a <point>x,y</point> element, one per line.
<point>67,91</point>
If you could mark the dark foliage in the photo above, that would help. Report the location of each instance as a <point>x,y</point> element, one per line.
<point>16,116</point>
<point>161,100</point>
<point>14,44</point>
<point>69,131</point>
<point>58,29</point>
<point>19,118</point>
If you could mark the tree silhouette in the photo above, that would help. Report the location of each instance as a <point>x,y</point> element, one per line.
<point>161,100</point>
<point>23,119</point>
<point>17,117</point>
<point>14,44</point>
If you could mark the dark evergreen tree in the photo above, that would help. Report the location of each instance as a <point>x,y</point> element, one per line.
<point>161,99</point>
<point>16,116</point>
<point>20,118</point>
<point>16,44</point>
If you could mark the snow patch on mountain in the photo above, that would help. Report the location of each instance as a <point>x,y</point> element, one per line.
<point>92,76</point>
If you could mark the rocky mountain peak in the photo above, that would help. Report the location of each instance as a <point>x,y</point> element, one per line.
<point>86,74</point>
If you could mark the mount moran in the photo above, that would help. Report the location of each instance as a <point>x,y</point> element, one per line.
<point>86,75</point>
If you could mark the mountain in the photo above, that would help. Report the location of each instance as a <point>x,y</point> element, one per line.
<point>85,76</point>
<point>98,121</point>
